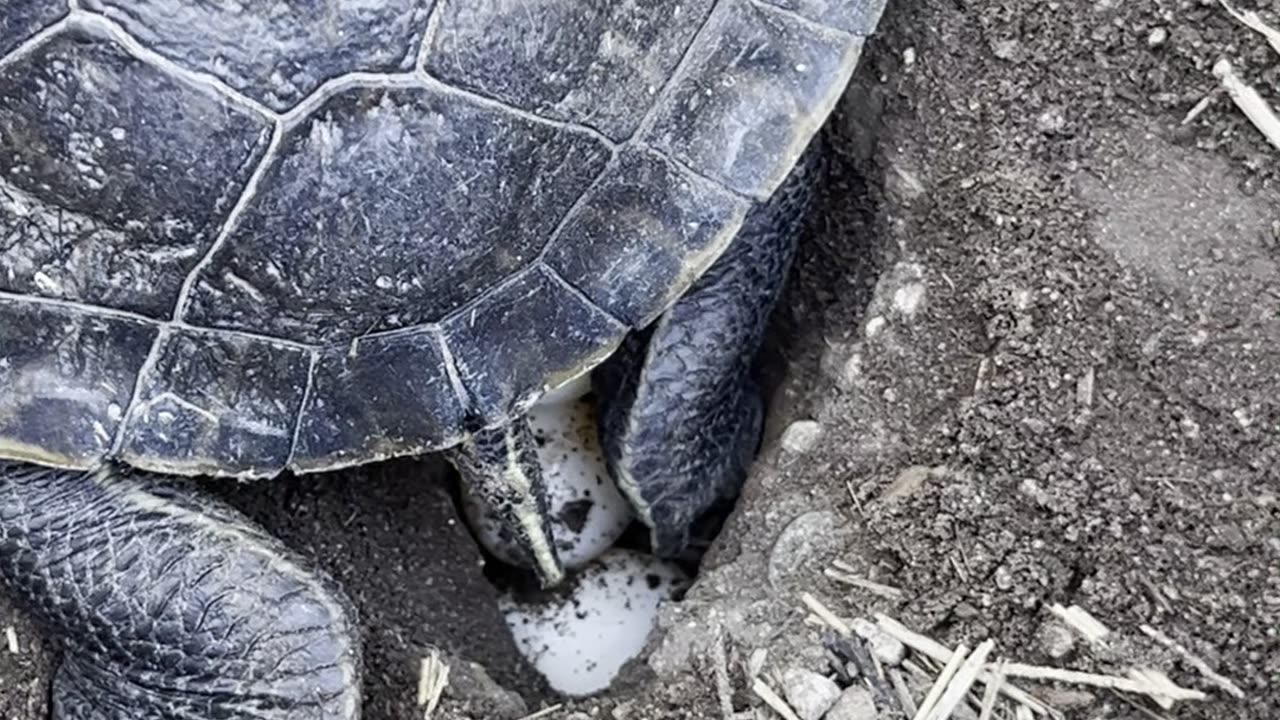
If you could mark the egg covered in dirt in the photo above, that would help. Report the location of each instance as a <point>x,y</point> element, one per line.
<point>580,638</point>
<point>588,513</point>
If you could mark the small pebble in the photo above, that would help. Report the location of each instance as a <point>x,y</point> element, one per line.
<point>855,703</point>
<point>1006,49</point>
<point>800,436</point>
<point>907,299</point>
<point>1056,641</point>
<point>887,649</point>
<point>1157,37</point>
<point>1051,121</point>
<point>809,693</point>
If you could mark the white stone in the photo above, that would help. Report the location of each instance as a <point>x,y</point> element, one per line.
<point>809,693</point>
<point>887,649</point>
<point>908,298</point>
<point>588,512</point>
<point>580,640</point>
<point>800,436</point>
<point>855,703</point>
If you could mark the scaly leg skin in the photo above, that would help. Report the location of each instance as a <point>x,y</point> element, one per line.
<point>169,605</point>
<point>500,467</point>
<point>680,415</point>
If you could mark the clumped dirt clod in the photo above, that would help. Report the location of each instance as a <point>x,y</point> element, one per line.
<point>1037,327</point>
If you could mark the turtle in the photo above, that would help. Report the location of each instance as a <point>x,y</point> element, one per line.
<point>250,240</point>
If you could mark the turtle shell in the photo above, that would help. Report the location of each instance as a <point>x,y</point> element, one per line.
<point>239,238</point>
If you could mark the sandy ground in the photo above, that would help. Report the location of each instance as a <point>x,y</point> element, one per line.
<point>1038,323</point>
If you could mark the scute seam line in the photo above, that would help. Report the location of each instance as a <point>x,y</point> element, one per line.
<point>126,418</point>
<point>646,122</point>
<point>582,297</point>
<point>334,86</point>
<point>445,88</point>
<point>302,407</point>
<point>204,81</point>
<point>31,44</point>
<point>183,302</point>
<point>99,311</point>
<point>428,34</point>
<point>685,168</point>
<point>609,166</point>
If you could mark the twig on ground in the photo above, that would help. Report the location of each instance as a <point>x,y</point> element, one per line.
<point>544,712</point>
<point>433,678</point>
<point>853,495</point>
<point>1155,679</point>
<point>1079,619</point>
<point>1255,23</point>
<point>1200,665</point>
<point>1201,106</point>
<point>1249,101</point>
<point>1148,712</point>
<point>720,666</point>
<point>962,682</point>
<point>903,692</point>
<point>771,698</point>
<point>1138,687</point>
<point>825,614</point>
<point>992,693</point>
<point>941,653</point>
<point>940,684</point>
<point>886,591</point>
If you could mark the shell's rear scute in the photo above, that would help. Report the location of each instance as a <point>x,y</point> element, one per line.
<point>751,94</point>
<point>599,64</point>
<point>216,403</point>
<point>66,376</point>
<point>379,397</point>
<point>646,222</point>
<point>548,335</point>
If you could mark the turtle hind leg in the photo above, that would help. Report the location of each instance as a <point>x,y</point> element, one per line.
<point>499,467</point>
<point>169,605</point>
<point>680,415</point>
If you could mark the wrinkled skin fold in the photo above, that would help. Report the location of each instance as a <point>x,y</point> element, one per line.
<point>169,604</point>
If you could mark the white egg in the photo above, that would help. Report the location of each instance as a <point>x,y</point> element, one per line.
<point>588,512</point>
<point>579,641</point>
